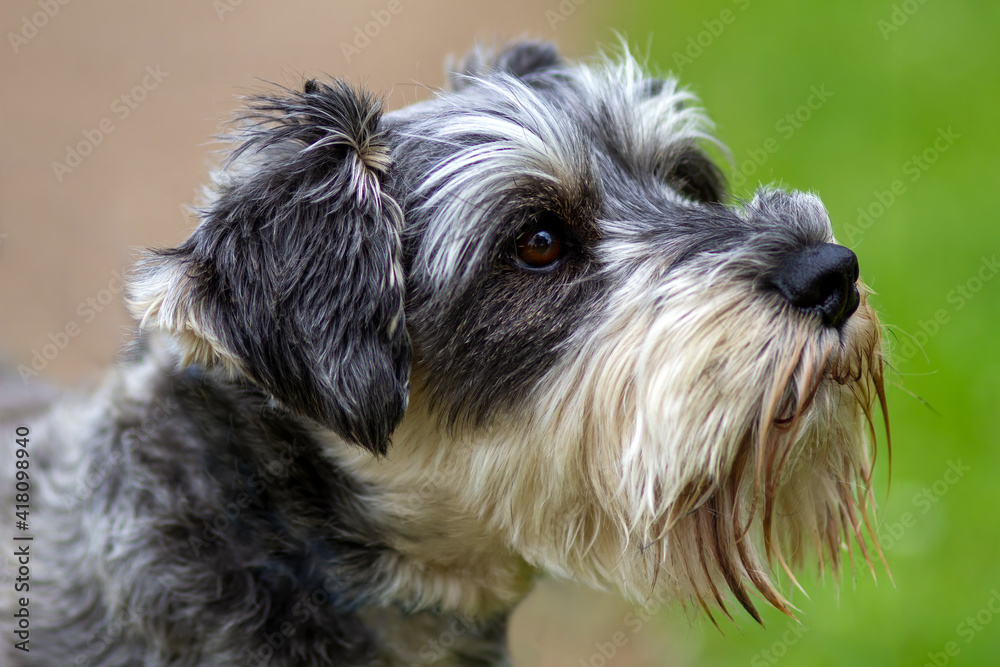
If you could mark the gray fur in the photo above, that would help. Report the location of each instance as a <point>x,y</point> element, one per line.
<point>189,512</point>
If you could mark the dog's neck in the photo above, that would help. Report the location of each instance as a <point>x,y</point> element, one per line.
<point>445,555</point>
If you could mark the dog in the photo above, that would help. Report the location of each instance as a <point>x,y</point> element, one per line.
<point>408,362</point>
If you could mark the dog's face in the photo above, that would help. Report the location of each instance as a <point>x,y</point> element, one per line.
<point>532,286</point>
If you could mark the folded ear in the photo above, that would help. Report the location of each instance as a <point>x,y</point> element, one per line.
<point>523,59</point>
<point>294,276</point>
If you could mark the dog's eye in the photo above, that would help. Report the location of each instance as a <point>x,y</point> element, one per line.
<point>539,245</point>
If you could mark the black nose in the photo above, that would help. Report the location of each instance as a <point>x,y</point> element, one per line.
<point>821,278</point>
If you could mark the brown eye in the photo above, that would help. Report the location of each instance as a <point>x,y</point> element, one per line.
<point>538,246</point>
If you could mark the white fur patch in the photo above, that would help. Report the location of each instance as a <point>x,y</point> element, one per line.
<point>161,298</point>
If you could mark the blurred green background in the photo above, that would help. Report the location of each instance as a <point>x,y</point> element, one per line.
<point>889,111</point>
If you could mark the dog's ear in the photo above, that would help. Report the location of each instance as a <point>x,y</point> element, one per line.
<point>524,59</point>
<point>294,276</point>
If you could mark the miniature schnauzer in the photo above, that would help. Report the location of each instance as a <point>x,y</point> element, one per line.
<point>407,362</point>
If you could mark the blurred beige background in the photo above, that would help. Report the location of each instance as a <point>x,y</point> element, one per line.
<point>140,87</point>
<point>162,77</point>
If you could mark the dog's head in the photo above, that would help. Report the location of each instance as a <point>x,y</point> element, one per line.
<point>614,373</point>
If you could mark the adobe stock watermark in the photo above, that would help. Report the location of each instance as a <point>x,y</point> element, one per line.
<point>57,341</point>
<point>157,414</point>
<point>364,34</point>
<point>967,631</point>
<point>100,641</point>
<point>634,621</point>
<point>958,297</point>
<point>122,107</point>
<point>786,127</point>
<point>923,501</point>
<point>562,12</point>
<point>772,654</point>
<point>898,17</point>
<point>300,613</point>
<point>912,169</point>
<point>432,651</point>
<point>33,23</point>
<point>255,484</point>
<point>696,44</point>
<point>223,7</point>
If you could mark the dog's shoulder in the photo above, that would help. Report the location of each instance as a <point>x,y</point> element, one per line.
<point>198,497</point>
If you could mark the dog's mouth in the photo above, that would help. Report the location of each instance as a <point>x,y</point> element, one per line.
<point>801,477</point>
<point>744,441</point>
